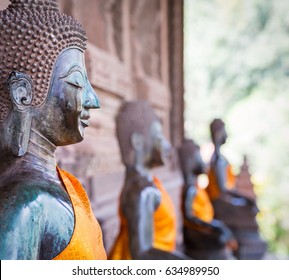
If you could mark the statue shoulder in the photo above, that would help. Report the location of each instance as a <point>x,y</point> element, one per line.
<point>35,198</point>
<point>151,193</point>
<point>33,216</point>
<point>218,159</point>
<point>25,193</point>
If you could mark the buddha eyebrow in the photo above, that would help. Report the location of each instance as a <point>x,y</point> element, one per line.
<point>71,70</point>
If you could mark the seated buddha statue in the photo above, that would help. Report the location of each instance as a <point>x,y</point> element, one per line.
<point>237,211</point>
<point>45,102</point>
<point>204,236</point>
<point>147,215</point>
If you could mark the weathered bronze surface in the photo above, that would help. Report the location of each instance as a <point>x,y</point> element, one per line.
<point>45,102</point>
<point>235,210</point>
<point>210,239</point>
<point>142,146</point>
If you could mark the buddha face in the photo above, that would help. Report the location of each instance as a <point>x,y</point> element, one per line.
<point>160,147</point>
<point>198,165</point>
<point>222,134</point>
<point>65,114</point>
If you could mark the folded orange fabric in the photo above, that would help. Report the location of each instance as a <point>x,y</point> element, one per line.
<point>86,242</point>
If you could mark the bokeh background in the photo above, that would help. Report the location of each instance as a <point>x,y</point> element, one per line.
<point>237,68</point>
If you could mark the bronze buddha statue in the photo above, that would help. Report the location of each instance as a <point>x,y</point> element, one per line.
<point>237,211</point>
<point>147,215</point>
<point>45,102</point>
<point>204,236</point>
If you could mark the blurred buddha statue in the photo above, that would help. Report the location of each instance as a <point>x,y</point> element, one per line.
<point>237,211</point>
<point>45,102</point>
<point>204,236</point>
<point>147,214</point>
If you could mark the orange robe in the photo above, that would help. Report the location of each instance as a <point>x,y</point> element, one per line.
<point>165,230</point>
<point>213,189</point>
<point>86,241</point>
<point>202,207</point>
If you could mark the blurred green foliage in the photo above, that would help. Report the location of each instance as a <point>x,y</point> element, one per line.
<point>237,68</point>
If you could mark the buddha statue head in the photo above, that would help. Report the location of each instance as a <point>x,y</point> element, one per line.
<point>140,136</point>
<point>191,161</point>
<point>43,81</point>
<point>218,132</point>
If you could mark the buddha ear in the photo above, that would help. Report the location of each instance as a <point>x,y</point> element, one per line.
<point>137,141</point>
<point>20,88</point>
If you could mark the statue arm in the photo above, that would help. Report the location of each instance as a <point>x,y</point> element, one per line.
<point>241,200</point>
<point>225,234</point>
<point>219,171</point>
<point>34,226</point>
<point>237,202</point>
<point>20,232</point>
<point>140,226</point>
<point>231,196</point>
<point>215,227</point>
<point>219,167</point>
<point>188,197</point>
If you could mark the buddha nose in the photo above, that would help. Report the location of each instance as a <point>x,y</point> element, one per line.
<point>90,99</point>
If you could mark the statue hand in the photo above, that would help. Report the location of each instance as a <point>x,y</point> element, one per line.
<point>225,234</point>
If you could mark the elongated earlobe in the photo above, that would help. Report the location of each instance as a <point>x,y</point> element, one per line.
<point>21,132</point>
<point>137,141</point>
<point>20,88</point>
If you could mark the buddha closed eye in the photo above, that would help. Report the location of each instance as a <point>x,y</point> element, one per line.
<point>75,78</point>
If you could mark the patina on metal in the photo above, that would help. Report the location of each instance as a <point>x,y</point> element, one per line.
<point>45,98</point>
<point>143,146</point>
<point>202,239</point>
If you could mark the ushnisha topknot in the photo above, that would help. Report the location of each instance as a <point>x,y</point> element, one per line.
<point>32,35</point>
